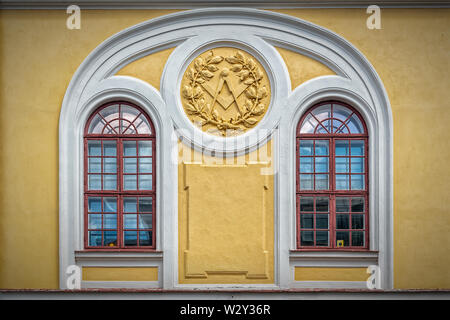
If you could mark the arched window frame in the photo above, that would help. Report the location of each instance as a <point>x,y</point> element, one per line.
<point>119,193</point>
<point>332,192</point>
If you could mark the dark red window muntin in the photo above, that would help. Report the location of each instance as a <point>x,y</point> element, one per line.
<point>119,193</point>
<point>332,192</point>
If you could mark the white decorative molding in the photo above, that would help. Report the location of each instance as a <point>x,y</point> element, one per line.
<point>258,32</point>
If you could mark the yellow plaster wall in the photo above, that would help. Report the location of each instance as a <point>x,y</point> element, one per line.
<point>120,274</point>
<point>330,274</point>
<point>38,57</point>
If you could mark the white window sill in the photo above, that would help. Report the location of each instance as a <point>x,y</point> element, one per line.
<point>333,258</point>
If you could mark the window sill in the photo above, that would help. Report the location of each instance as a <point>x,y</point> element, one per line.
<point>337,258</point>
<point>118,255</point>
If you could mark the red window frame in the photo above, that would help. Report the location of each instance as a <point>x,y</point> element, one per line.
<point>120,194</point>
<point>332,193</point>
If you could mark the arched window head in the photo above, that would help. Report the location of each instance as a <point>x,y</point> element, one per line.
<point>119,175</point>
<point>332,172</point>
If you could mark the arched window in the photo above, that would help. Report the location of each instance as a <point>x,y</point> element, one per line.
<point>332,173</point>
<point>119,178</point>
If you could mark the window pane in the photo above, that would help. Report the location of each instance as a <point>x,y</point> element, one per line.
<point>94,148</point>
<point>129,182</point>
<point>109,148</point>
<point>306,147</point>
<point>142,125</point>
<point>129,165</point>
<point>145,165</point>
<point>358,182</point>
<point>306,165</point>
<point>342,182</point>
<point>357,204</point>
<point>321,221</point>
<point>110,238</point>
<point>130,221</point>
<point>355,125</point>
<point>145,238</point>
<point>94,204</point>
<point>322,238</point>
<point>325,127</point>
<point>358,238</point>
<point>322,112</point>
<point>145,221</point>
<point>322,204</point>
<point>306,182</point>
<point>95,221</point>
<point>357,147</point>
<point>145,148</point>
<point>321,182</point>
<point>95,238</point>
<point>357,221</point>
<point>145,204</point>
<point>321,164</point>
<point>110,182</point>
<point>309,124</point>
<point>307,204</point>
<point>357,165</point>
<point>341,148</point>
<point>342,204</point>
<point>307,238</point>
<point>129,205</point>
<point>321,147</point>
<point>109,204</point>
<point>129,148</point>
<point>94,182</point>
<point>341,112</point>
<point>343,235</point>
<point>109,165</point>
<point>145,182</point>
<point>130,238</point>
<point>94,165</point>
<point>306,221</point>
<point>342,165</point>
<point>342,221</point>
<point>110,221</point>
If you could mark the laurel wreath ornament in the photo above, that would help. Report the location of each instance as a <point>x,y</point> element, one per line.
<point>249,73</point>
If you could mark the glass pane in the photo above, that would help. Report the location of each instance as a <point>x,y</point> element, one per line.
<point>355,125</point>
<point>306,147</point>
<point>113,127</point>
<point>130,221</point>
<point>337,125</point>
<point>109,165</point>
<point>321,182</point>
<point>110,221</point>
<point>129,165</point>
<point>342,165</point>
<point>357,182</point>
<point>110,182</point>
<point>94,148</point>
<point>145,165</point>
<point>342,221</point>
<point>357,238</point>
<point>95,238</point>
<point>309,124</point>
<point>95,221</point>
<point>357,221</point>
<point>94,204</point>
<point>145,148</point>
<point>341,112</point>
<point>321,164</point>
<point>322,204</point>
<point>94,165</point>
<point>342,182</point>
<point>357,147</point>
<point>94,182</point>
<point>130,238</point>
<point>110,238</point>
<point>129,113</point>
<point>307,204</point>
<point>342,204</point>
<point>109,148</point>
<point>357,165</point>
<point>358,204</point>
<point>343,235</point>
<point>322,112</point>
<point>307,238</point>
<point>325,127</point>
<point>306,221</point>
<point>109,204</point>
<point>96,125</point>
<point>110,112</point>
<point>341,148</point>
<point>145,205</point>
<point>129,205</point>
<point>306,182</point>
<point>142,125</point>
<point>306,165</point>
<point>321,147</point>
<point>322,238</point>
<point>145,182</point>
<point>145,238</point>
<point>321,221</point>
<point>129,182</point>
<point>129,148</point>
<point>145,221</point>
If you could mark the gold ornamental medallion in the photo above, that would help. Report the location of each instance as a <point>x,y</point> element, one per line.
<point>225,91</point>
